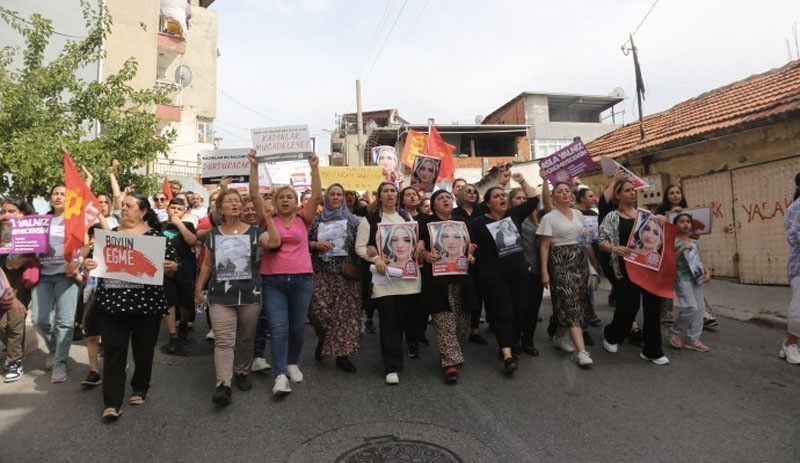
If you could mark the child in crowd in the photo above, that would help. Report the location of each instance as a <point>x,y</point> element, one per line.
<point>687,328</point>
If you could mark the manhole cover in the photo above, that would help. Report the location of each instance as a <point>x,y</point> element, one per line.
<point>393,442</point>
<point>391,449</point>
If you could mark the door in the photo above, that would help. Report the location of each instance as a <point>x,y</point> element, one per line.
<point>718,249</point>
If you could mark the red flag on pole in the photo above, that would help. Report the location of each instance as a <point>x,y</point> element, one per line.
<point>167,189</point>
<point>81,209</point>
<point>439,148</point>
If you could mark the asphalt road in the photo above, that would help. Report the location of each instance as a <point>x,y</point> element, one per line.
<point>737,403</point>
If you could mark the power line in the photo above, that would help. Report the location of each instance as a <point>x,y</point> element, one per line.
<point>13,15</point>
<point>237,101</point>
<point>386,39</point>
<point>640,25</point>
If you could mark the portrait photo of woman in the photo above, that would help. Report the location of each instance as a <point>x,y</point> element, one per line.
<point>451,242</point>
<point>647,241</point>
<point>398,243</point>
<point>386,157</point>
<point>425,172</point>
<point>233,259</point>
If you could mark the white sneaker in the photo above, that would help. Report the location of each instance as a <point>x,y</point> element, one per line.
<point>790,354</point>
<point>392,378</point>
<point>259,364</point>
<point>663,360</point>
<point>563,344</point>
<point>294,373</point>
<point>210,335</point>
<point>584,359</point>
<point>612,348</point>
<point>281,386</point>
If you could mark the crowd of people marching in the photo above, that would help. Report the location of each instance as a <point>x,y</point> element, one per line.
<point>267,265</point>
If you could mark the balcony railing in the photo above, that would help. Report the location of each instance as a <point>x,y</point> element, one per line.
<point>176,167</point>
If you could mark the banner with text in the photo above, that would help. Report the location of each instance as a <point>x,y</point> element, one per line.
<point>131,258</point>
<point>284,143</point>
<point>567,163</point>
<point>352,178</point>
<point>611,167</point>
<point>231,163</point>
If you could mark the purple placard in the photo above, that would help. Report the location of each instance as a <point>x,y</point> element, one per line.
<point>30,234</point>
<point>567,163</point>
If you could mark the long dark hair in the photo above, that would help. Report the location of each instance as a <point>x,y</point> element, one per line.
<point>52,210</point>
<point>150,216</point>
<point>23,206</point>
<point>666,205</point>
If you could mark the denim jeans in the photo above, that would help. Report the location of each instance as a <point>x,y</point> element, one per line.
<point>287,298</point>
<point>60,294</point>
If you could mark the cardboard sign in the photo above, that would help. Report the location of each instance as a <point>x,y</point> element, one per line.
<point>352,178</point>
<point>611,167</point>
<point>661,282</point>
<point>385,156</point>
<point>506,236</point>
<point>646,241</point>
<point>131,258</point>
<point>232,163</point>
<point>396,243</point>
<point>567,163</point>
<point>284,143</point>
<point>425,171</point>
<point>450,239</point>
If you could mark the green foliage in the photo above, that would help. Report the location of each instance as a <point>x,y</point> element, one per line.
<point>44,106</point>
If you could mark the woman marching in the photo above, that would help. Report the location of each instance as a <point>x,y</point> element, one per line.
<point>335,310</point>
<point>445,297</point>
<point>502,269</point>
<point>614,233</point>
<point>130,314</point>
<point>234,295</point>
<point>565,270</point>
<point>397,302</point>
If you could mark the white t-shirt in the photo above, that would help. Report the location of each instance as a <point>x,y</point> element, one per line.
<point>559,228</point>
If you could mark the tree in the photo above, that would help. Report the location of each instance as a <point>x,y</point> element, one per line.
<point>44,106</point>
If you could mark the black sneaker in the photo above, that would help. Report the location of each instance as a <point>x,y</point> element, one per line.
<point>510,365</point>
<point>587,339</point>
<point>710,323</point>
<point>92,379</point>
<point>369,326</point>
<point>243,382</point>
<point>222,396</point>
<point>413,350</point>
<point>13,372</point>
<point>173,345</point>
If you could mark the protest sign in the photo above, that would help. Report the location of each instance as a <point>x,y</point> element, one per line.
<point>284,143</point>
<point>29,234</point>
<point>335,232</point>
<point>646,241</point>
<point>396,244</point>
<point>131,258</point>
<point>386,157</point>
<point>662,282</point>
<point>450,239</point>
<point>610,167</point>
<point>232,163</point>
<point>425,171</point>
<point>701,219</point>
<point>506,236</point>
<point>567,163</point>
<point>6,242</point>
<point>352,178</point>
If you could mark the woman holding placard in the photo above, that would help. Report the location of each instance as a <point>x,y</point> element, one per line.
<point>448,297</point>
<point>130,314</point>
<point>502,269</point>
<point>335,300</point>
<point>397,302</point>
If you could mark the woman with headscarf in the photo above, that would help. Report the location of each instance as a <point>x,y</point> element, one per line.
<point>335,310</point>
<point>397,302</point>
<point>447,298</point>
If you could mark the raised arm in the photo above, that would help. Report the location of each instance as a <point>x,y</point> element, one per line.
<point>258,201</point>
<point>115,191</point>
<point>316,190</point>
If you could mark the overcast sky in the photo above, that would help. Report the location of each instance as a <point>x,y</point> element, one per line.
<point>296,61</point>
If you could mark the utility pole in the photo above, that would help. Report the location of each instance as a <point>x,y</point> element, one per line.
<point>359,124</point>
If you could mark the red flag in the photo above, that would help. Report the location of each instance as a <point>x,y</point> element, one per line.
<point>415,144</point>
<point>439,148</point>
<point>167,189</point>
<point>80,209</point>
<point>661,282</point>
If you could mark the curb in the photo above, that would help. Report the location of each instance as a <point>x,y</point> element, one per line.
<point>744,315</point>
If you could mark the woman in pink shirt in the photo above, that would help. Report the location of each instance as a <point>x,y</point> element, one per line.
<point>286,279</point>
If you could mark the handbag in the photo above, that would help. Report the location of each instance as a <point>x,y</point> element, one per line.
<point>594,279</point>
<point>351,270</point>
<point>30,276</point>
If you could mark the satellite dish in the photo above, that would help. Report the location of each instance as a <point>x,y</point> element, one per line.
<point>618,92</point>
<point>183,75</point>
<point>479,119</point>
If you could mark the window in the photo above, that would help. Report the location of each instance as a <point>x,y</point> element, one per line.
<point>205,132</point>
<point>543,147</point>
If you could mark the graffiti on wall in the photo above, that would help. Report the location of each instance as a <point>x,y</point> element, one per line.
<point>766,210</point>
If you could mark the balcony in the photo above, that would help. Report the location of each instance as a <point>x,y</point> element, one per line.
<point>174,167</point>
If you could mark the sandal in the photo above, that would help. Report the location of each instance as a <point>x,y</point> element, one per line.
<point>137,398</point>
<point>110,414</point>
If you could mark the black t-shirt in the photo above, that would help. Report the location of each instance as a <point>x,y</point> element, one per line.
<point>183,250</point>
<point>461,214</point>
<point>496,253</point>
